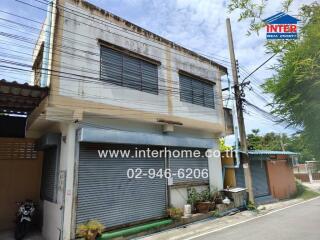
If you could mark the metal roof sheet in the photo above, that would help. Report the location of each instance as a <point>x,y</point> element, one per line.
<point>269,152</point>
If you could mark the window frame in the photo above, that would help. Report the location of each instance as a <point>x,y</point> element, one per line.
<point>197,79</point>
<point>125,55</point>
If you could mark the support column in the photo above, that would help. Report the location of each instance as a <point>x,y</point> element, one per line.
<point>215,170</point>
<point>68,154</point>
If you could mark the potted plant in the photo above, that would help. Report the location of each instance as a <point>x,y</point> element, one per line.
<point>203,204</point>
<point>193,198</point>
<point>91,230</point>
<point>175,213</point>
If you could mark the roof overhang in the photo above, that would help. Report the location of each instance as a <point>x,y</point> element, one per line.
<point>20,99</point>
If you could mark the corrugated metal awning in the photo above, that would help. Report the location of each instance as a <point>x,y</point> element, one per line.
<point>264,155</point>
<point>269,152</point>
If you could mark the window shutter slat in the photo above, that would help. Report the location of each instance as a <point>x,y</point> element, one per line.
<point>127,71</point>
<point>196,91</point>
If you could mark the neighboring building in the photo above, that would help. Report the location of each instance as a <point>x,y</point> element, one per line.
<point>308,171</point>
<point>271,171</point>
<point>114,85</point>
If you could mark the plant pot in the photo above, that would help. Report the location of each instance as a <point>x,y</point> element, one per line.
<point>203,207</point>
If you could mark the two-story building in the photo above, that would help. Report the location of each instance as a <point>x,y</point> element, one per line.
<point>114,85</point>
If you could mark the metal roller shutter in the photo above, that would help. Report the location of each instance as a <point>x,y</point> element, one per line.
<point>240,177</point>
<point>188,162</point>
<point>49,178</point>
<point>105,192</point>
<point>259,178</point>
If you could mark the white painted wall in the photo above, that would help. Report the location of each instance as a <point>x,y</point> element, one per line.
<point>179,196</point>
<point>51,220</point>
<point>57,216</point>
<point>67,164</point>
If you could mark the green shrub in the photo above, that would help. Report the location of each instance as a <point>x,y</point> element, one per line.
<point>175,213</point>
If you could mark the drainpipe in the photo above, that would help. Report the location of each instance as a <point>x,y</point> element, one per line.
<point>48,44</point>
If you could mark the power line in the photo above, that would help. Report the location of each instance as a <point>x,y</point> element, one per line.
<point>256,69</point>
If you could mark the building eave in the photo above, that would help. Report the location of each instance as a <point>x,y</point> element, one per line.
<point>139,30</point>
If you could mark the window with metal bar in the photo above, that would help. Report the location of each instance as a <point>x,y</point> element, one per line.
<point>125,70</point>
<point>196,91</point>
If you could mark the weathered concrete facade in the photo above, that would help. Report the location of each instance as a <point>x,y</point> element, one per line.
<point>79,98</point>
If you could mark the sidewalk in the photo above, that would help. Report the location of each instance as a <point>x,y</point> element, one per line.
<point>194,229</point>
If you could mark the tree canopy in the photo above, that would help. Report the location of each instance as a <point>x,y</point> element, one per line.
<point>295,84</point>
<point>279,142</point>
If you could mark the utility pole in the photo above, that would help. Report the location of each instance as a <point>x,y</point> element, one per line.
<point>239,106</point>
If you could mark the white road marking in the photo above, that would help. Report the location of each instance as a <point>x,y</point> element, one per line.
<point>248,220</point>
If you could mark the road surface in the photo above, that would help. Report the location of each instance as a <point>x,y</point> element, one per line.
<point>295,223</point>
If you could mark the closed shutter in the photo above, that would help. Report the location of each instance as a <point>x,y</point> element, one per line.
<point>259,178</point>
<point>188,162</point>
<point>127,71</point>
<point>49,175</point>
<point>196,91</point>
<point>185,89</point>
<point>105,192</point>
<point>240,177</point>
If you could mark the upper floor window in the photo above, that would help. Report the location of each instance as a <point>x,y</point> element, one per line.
<point>196,91</point>
<point>122,69</point>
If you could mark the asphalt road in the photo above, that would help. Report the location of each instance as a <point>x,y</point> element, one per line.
<point>296,223</point>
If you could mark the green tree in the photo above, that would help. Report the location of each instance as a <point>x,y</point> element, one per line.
<point>296,82</point>
<point>279,142</point>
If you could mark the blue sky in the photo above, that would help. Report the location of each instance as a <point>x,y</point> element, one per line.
<point>196,24</point>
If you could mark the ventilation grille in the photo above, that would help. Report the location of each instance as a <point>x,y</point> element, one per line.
<point>17,149</point>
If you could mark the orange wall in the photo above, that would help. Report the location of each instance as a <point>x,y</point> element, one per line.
<point>281,179</point>
<point>230,177</point>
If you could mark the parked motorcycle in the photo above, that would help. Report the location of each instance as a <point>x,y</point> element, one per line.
<point>24,218</point>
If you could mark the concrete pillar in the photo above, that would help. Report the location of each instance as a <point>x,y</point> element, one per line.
<point>215,169</point>
<point>68,146</point>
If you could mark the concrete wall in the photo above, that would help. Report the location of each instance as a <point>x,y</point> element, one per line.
<point>128,102</point>
<point>281,179</point>
<point>51,220</point>
<point>57,215</point>
<point>179,195</point>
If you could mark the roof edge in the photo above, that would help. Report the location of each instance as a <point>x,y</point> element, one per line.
<point>141,31</point>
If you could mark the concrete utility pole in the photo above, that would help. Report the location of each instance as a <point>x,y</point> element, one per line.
<point>239,106</point>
